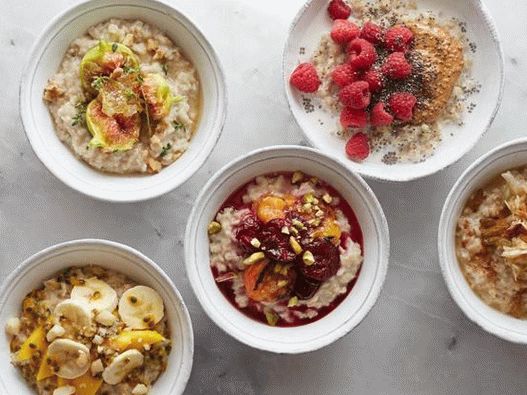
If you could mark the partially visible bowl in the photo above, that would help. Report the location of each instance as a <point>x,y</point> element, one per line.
<point>507,156</point>
<point>350,312</point>
<point>44,61</point>
<point>312,22</point>
<point>121,258</point>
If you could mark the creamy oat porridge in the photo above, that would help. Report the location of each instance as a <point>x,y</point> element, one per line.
<point>392,77</point>
<point>285,249</point>
<point>491,242</point>
<point>90,331</point>
<point>125,99</point>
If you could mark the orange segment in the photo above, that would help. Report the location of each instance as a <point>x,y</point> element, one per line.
<point>273,207</point>
<point>329,228</point>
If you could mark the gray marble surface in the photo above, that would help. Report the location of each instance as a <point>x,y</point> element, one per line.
<point>415,341</point>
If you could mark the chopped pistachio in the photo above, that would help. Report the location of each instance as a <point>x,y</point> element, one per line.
<point>308,258</point>
<point>255,243</point>
<point>278,268</point>
<point>285,230</point>
<point>293,231</point>
<point>328,199</point>
<point>307,206</point>
<point>284,270</point>
<point>298,224</point>
<point>314,222</point>
<point>295,245</point>
<point>316,201</point>
<point>309,198</point>
<point>292,302</point>
<point>297,177</point>
<point>313,180</point>
<point>271,317</point>
<point>319,214</point>
<point>214,227</point>
<point>282,283</point>
<point>253,258</point>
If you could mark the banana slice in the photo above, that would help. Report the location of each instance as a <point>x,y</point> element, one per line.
<point>141,307</point>
<point>97,294</point>
<point>71,358</point>
<point>121,365</point>
<point>76,311</point>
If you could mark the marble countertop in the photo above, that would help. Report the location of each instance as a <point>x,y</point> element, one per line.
<point>415,340</point>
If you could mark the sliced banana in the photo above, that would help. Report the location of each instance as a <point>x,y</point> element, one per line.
<point>121,365</point>
<point>76,311</point>
<point>64,390</point>
<point>72,358</point>
<point>141,307</point>
<point>97,294</point>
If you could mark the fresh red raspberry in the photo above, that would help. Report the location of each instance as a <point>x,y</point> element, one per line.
<point>343,31</point>
<point>305,78</point>
<point>351,118</point>
<point>371,32</point>
<point>358,147</point>
<point>356,95</point>
<point>398,38</point>
<point>374,79</point>
<point>362,54</point>
<point>343,75</point>
<point>379,116</point>
<point>396,66</point>
<point>338,9</point>
<point>402,105</point>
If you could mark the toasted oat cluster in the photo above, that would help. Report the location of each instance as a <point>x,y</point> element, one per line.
<point>491,242</point>
<point>90,331</point>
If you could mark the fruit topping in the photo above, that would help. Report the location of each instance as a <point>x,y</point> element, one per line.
<point>305,78</point>
<point>323,262</point>
<point>374,80</point>
<point>350,117</point>
<point>379,116</point>
<point>268,282</point>
<point>97,294</point>
<point>371,32</point>
<point>275,243</point>
<point>271,207</point>
<point>398,38</point>
<point>343,75</point>
<point>157,95</point>
<point>362,54</point>
<point>247,230</point>
<point>356,95</point>
<point>343,31</point>
<point>121,365</point>
<point>141,307</point>
<point>119,95</point>
<point>396,66</point>
<point>358,147</point>
<point>402,105</point>
<point>305,288</point>
<point>338,9</point>
<point>72,358</point>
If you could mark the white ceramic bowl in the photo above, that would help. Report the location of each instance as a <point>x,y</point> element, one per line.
<point>44,61</point>
<point>352,309</point>
<point>115,256</point>
<point>507,156</point>
<point>312,22</point>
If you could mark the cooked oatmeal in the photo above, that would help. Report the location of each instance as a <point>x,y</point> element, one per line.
<point>125,99</point>
<point>90,331</point>
<point>491,242</point>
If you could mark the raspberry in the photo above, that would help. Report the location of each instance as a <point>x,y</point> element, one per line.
<point>358,147</point>
<point>396,66</point>
<point>379,116</point>
<point>305,78</point>
<point>402,105</point>
<point>343,75</point>
<point>350,117</point>
<point>356,95</point>
<point>338,9</point>
<point>362,54</point>
<point>398,38</point>
<point>371,32</point>
<point>343,31</point>
<point>374,80</point>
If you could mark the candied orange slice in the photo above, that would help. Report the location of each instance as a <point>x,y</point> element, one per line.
<point>273,207</point>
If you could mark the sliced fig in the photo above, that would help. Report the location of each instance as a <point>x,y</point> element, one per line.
<point>120,96</point>
<point>157,95</point>
<point>117,133</point>
<point>102,60</point>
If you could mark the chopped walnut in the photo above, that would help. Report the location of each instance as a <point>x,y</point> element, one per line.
<point>53,92</point>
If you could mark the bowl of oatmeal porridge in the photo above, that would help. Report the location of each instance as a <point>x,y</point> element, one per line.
<point>481,241</point>
<point>123,102</point>
<point>91,317</point>
<point>396,89</point>
<point>286,260</point>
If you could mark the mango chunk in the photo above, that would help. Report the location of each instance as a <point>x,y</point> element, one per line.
<point>127,340</point>
<point>84,385</point>
<point>44,370</point>
<point>35,342</point>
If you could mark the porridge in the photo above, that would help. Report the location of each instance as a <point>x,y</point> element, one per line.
<point>491,243</point>
<point>391,75</point>
<point>90,331</point>
<point>125,99</point>
<point>285,249</point>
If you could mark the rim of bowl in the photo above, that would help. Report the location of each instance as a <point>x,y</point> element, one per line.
<point>444,233</point>
<point>29,262</point>
<point>29,69</point>
<point>489,21</point>
<point>382,263</point>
